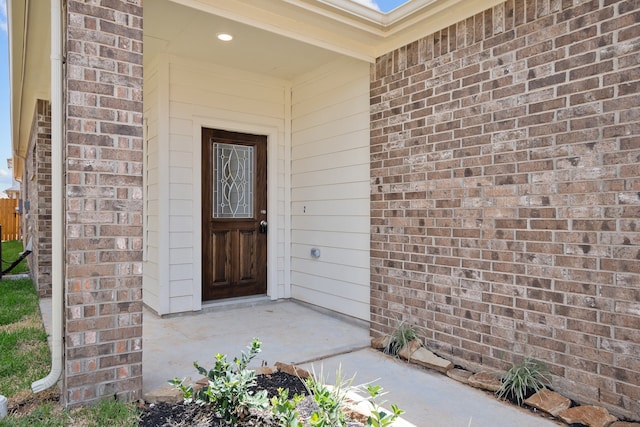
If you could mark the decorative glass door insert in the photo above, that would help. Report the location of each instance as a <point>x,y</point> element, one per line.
<point>233,190</point>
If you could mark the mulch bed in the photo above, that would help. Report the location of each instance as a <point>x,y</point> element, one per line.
<point>183,415</point>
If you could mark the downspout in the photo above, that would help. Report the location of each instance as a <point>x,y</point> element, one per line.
<point>57,220</point>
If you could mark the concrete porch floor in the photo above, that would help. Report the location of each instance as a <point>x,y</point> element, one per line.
<point>320,340</point>
<point>315,339</point>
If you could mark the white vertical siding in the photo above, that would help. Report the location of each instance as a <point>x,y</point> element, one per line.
<point>330,188</point>
<point>214,96</point>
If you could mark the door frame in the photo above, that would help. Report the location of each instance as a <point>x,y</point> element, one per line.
<point>272,133</point>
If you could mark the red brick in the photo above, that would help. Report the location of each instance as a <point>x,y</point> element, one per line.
<point>118,146</point>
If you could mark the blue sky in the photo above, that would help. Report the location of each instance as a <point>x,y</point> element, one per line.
<point>382,5</point>
<point>5,122</point>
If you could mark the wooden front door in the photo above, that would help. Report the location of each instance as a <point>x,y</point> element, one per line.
<point>234,214</point>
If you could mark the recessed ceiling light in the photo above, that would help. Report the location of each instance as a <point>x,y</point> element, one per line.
<point>225,37</point>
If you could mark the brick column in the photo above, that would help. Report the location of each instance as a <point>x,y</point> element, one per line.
<point>103,229</point>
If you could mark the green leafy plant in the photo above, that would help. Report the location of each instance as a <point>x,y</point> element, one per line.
<point>378,417</point>
<point>400,337</point>
<point>284,409</point>
<point>523,379</point>
<point>330,400</point>
<point>228,389</point>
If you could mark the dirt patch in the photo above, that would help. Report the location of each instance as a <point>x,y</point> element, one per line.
<point>25,401</point>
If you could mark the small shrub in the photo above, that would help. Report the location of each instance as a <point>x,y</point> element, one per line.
<point>228,390</point>
<point>284,409</point>
<point>378,417</point>
<point>523,380</point>
<point>400,337</point>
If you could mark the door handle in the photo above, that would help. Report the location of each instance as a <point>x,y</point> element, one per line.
<point>263,227</point>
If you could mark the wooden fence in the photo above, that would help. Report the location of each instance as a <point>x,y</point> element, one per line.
<point>9,219</point>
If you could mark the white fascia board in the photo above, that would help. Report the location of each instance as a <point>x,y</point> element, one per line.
<point>16,34</point>
<point>437,16</point>
<point>401,26</point>
<point>29,64</point>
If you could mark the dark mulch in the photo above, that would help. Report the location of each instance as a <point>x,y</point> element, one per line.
<point>272,382</point>
<point>179,415</point>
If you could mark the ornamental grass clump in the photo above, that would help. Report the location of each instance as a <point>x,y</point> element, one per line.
<point>331,400</point>
<point>400,337</point>
<point>524,379</point>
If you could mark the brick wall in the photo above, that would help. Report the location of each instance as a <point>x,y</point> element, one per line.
<point>36,195</point>
<point>103,231</point>
<point>505,197</point>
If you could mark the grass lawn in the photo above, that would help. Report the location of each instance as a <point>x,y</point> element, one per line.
<point>24,358</point>
<point>10,252</point>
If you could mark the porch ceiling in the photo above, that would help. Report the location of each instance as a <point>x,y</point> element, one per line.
<point>184,31</point>
<point>285,38</point>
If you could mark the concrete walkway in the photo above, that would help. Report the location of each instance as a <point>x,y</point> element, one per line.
<point>300,334</point>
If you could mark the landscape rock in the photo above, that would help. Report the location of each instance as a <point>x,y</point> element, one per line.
<point>410,347</point>
<point>407,351</point>
<point>624,424</point>
<point>380,342</point>
<point>292,370</point>
<point>485,381</point>
<point>548,401</point>
<point>165,394</point>
<point>264,370</point>
<point>460,375</point>
<point>422,356</point>
<point>592,416</point>
<point>355,414</point>
<point>198,385</point>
